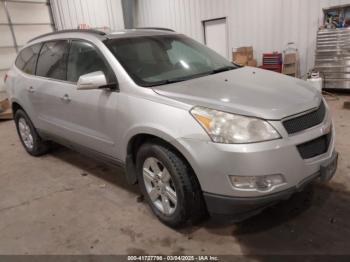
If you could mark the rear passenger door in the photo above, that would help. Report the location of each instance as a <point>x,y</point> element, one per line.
<point>26,81</point>
<point>51,87</point>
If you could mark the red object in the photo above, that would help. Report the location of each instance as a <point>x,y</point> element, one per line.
<point>275,68</point>
<point>273,62</point>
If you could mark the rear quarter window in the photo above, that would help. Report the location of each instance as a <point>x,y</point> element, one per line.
<point>26,59</point>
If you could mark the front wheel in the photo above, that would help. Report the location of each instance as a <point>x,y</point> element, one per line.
<point>169,185</point>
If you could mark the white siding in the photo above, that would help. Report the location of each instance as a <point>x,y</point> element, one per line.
<point>68,14</point>
<point>267,25</point>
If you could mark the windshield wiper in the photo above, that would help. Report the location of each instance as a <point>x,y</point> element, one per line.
<point>223,69</point>
<point>181,79</point>
<point>176,80</point>
<point>168,81</point>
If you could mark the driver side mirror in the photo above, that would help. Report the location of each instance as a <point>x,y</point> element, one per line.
<point>94,80</point>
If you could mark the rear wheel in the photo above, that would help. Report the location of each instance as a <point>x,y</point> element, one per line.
<point>29,137</point>
<point>169,185</point>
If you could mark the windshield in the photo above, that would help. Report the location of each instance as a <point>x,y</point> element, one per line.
<point>164,59</point>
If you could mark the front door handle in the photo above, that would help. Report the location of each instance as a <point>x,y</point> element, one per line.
<point>31,89</point>
<point>66,98</point>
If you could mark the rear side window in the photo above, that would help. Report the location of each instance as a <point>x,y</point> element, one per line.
<point>84,59</point>
<point>52,61</point>
<point>26,59</point>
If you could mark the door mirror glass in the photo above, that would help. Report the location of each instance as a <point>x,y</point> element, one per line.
<point>94,80</point>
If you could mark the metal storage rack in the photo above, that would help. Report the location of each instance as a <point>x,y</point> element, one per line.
<point>333,57</point>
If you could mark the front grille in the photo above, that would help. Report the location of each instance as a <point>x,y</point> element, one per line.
<point>315,147</point>
<point>306,121</point>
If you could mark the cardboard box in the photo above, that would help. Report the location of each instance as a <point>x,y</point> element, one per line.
<point>244,56</point>
<point>252,63</point>
<point>4,105</point>
<point>248,51</point>
<point>240,58</point>
<point>7,115</point>
<point>5,110</point>
<point>245,49</point>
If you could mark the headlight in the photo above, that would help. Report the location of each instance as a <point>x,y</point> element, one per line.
<point>233,129</point>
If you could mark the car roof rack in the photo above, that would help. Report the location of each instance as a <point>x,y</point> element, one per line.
<point>89,31</point>
<point>156,28</point>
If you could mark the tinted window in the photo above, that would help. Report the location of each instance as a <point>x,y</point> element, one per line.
<point>26,60</point>
<point>85,59</point>
<point>52,61</point>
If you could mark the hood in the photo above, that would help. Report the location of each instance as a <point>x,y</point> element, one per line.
<point>247,91</point>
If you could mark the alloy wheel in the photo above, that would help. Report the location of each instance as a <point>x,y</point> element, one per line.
<point>25,133</point>
<point>159,186</point>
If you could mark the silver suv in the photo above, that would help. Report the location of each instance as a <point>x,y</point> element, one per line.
<point>196,132</point>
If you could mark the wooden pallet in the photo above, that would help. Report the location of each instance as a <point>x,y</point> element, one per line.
<point>6,112</point>
<point>6,115</point>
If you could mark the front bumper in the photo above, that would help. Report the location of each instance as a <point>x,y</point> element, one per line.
<point>242,207</point>
<point>214,163</point>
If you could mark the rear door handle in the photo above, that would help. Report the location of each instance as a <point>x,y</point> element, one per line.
<point>66,98</point>
<point>31,89</point>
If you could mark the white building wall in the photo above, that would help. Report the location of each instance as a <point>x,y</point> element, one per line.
<point>267,25</point>
<point>68,14</point>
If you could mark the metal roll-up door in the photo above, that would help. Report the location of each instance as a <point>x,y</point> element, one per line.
<point>20,21</point>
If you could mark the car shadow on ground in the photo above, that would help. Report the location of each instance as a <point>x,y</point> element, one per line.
<point>90,166</point>
<point>312,222</point>
<point>315,221</point>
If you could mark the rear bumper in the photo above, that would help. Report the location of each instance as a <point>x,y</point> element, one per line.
<point>239,208</point>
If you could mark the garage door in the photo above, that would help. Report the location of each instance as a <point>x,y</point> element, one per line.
<point>20,20</point>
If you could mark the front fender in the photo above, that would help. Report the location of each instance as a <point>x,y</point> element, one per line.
<point>162,133</point>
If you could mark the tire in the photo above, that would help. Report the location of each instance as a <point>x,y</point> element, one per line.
<point>189,205</point>
<point>30,139</point>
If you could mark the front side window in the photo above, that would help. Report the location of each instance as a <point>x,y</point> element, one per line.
<point>162,59</point>
<point>52,62</point>
<point>84,59</point>
<point>26,59</point>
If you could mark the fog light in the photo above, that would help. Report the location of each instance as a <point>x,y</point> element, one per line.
<point>256,182</point>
